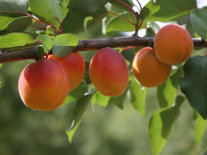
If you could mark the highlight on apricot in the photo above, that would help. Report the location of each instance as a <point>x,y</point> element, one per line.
<point>109,72</point>
<point>173,44</point>
<point>43,85</point>
<point>148,70</point>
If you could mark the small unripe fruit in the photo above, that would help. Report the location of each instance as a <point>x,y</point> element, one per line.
<point>109,72</point>
<point>43,85</point>
<point>74,66</point>
<point>173,44</point>
<point>148,70</point>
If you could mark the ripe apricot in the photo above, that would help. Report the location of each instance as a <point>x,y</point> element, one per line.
<point>43,85</point>
<point>74,66</point>
<point>148,70</point>
<point>109,72</point>
<point>173,44</point>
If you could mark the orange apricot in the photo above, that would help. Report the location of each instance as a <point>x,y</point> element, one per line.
<point>173,44</point>
<point>43,85</point>
<point>74,66</point>
<point>148,70</point>
<point>109,72</point>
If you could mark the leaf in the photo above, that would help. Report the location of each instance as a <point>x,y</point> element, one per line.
<point>78,114</point>
<point>101,99</point>
<point>199,128</point>
<point>199,21</point>
<point>167,92</point>
<point>15,40</point>
<point>161,124</point>
<point>137,95</point>
<point>47,10</point>
<point>5,19</point>
<point>194,82</point>
<point>86,20</point>
<point>13,6</point>
<point>19,24</point>
<point>119,24</point>
<point>118,101</point>
<point>172,9</point>
<point>153,7</point>
<point>47,42</point>
<point>64,44</point>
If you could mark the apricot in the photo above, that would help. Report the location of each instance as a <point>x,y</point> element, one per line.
<point>75,68</point>
<point>148,70</point>
<point>43,85</point>
<point>173,44</point>
<point>109,72</point>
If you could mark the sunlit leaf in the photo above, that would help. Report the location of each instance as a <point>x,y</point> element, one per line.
<point>64,44</point>
<point>47,10</point>
<point>137,95</point>
<point>167,92</point>
<point>15,40</point>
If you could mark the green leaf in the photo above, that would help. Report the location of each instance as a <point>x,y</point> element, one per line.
<point>172,9</point>
<point>101,99</point>
<point>199,21</point>
<point>78,114</point>
<point>153,7</point>
<point>167,92</point>
<point>15,40</point>
<point>199,128</point>
<point>119,24</point>
<point>161,124</point>
<point>47,42</point>
<point>145,12</point>
<point>64,44</point>
<point>137,95</point>
<point>118,101</point>
<point>86,20</point>
<point>47,10</point>
<point>13,6</point>
<point>194,82</point>
<point>19,24</point>
<point>5,19</point>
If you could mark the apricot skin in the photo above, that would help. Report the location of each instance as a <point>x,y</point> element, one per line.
<point>109,72</point>
<point>173,44</point>
<point>148,70</point>
<point>43,85</point>
<point>75,67</point>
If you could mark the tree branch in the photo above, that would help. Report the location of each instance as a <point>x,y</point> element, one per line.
<point>85,45</point>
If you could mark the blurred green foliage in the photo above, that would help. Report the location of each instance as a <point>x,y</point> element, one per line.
<point>107,131</point>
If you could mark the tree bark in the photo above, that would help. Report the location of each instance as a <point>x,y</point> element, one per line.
<point>86,45</point>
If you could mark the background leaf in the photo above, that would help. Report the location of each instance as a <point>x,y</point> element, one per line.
<point>160,125</point>
<point>199,21</point>
<point>47,10</point>
<point>171,10</point>
<point>64,44</point>
<point>13,6</point>
<point>15,40</point>
<point>199,127</point>
<point>167,92</point>
<point>194,87</point>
